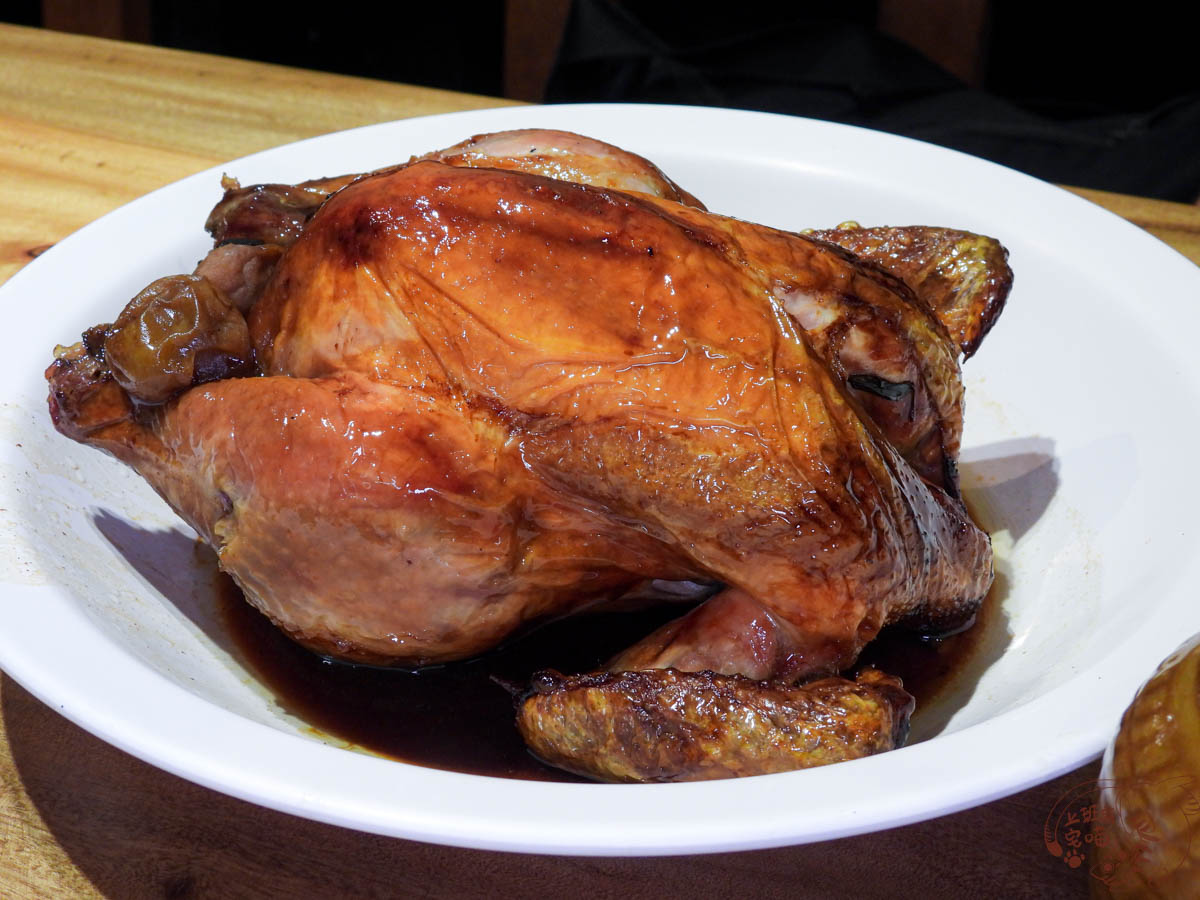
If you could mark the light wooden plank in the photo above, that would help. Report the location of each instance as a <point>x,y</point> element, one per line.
<point>208,105</point>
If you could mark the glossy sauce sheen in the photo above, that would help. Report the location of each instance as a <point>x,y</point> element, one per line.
<point>460,716</point>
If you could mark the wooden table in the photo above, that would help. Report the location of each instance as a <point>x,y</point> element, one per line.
<point>86,125</point>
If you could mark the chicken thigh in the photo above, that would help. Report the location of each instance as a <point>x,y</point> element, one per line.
<point>486,398</point>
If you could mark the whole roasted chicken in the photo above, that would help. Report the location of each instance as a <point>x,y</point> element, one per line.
<point>420,410</point>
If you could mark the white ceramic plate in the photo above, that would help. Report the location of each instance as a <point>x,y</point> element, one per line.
<point>1081,429</point>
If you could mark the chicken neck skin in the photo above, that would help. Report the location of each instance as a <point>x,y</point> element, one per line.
<point>564,156</point>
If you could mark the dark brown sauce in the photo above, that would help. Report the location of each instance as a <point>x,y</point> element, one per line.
<point>458,716</point>
<point>930,666</point>
<point>461,716</point>
<point>927,666</point>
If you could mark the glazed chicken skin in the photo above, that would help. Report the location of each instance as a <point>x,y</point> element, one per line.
<point>252,226</point>
<point>489,398</point>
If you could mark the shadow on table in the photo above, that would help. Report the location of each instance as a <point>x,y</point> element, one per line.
<point>134,831</point>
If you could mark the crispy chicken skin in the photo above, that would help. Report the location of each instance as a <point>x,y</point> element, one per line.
<point>489,397</point>
<point>668,725</point>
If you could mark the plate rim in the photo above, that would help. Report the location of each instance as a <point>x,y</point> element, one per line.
<point>456,825</point>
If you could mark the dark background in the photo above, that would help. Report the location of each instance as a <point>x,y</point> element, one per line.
<point>1063,91</point>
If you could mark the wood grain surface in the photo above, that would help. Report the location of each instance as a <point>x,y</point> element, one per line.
<point>87,125</point>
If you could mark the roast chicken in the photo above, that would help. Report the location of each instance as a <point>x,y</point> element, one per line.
<point>421,410</point>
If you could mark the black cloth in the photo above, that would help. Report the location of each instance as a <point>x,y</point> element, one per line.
<point>839,67</point>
